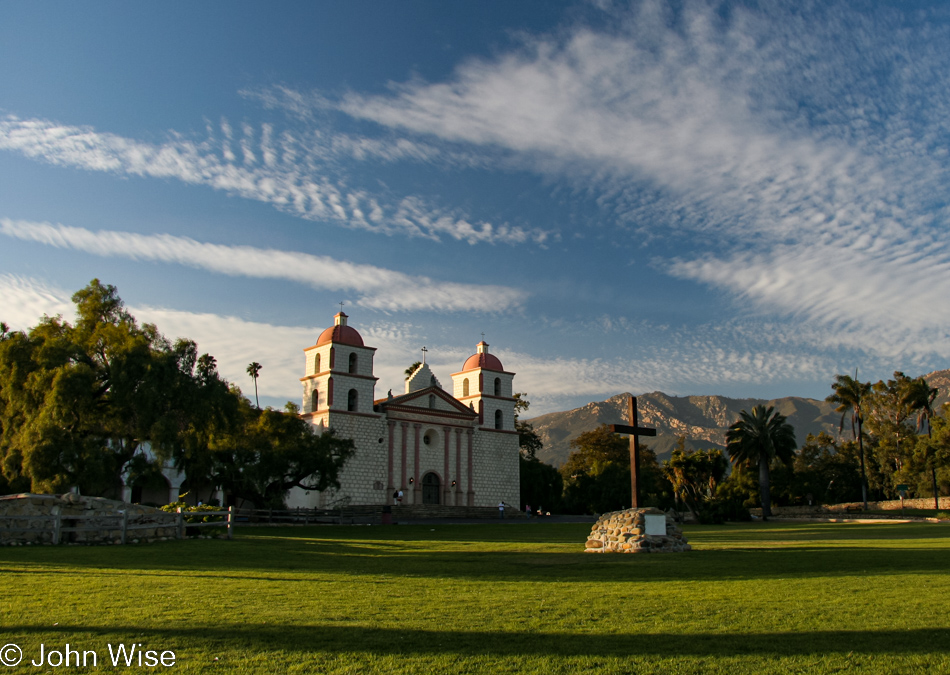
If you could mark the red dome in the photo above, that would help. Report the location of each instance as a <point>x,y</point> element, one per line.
<point>340,333</point>
<point>483,360</point>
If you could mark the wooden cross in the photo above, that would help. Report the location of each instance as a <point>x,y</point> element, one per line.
<point>634,432</point>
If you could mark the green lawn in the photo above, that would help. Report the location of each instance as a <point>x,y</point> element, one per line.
<point>751,598</point>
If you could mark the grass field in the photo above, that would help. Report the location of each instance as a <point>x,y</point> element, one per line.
<point>751,598</point>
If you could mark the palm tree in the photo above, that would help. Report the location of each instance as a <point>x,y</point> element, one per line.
<point>848,395</point>
<point>413,368</point>
<point>253,369</point>
<point>920,396</point>
<point>758,439</point>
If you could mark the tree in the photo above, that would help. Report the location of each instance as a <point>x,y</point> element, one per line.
<point>919,396</point>
<point>528,439</point>
<point>76,401</point>
<point>273,451</point>
<point>849,395</point>
<point>695,476</point>
<point>597,473</point>
<point>540,483</point>
<point>890,409</point>
<point>411,369</point>
<point>759,438</point>
<point>253,369</point>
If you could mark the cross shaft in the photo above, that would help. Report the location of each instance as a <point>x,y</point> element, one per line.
<point>634,431</point>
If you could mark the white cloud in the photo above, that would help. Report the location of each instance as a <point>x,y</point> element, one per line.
<point>295,181</point>
<point>377,287</point>
<point>233,341</point>
<point>805,150</point>
<point>685,365</point>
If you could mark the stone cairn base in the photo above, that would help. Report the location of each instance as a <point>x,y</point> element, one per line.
<point>626,532</point>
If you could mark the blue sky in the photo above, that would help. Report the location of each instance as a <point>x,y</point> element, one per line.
<point>712,199</point>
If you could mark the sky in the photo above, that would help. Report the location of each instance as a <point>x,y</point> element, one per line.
<point>726,198</point>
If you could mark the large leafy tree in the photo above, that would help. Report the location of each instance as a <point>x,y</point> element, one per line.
<point>597,474</point>
<point>849,396</point>
<point>890,409</point>
<point>758,438</point>
<point>77,400</point>
<point>272,451</point>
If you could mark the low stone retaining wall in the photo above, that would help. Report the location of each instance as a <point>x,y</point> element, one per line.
<point>30,519</point>
<point>894,504</point>
<point>627,532</point>
<point>854,507</point>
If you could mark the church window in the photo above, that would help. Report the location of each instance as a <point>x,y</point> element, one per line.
<point>465,387</point>
<point>316,364</point>
<point>332,357</point>
<point>314,400</point>
<point>432,400</point>
<point>427,439</point>
<point>352,400</point>
<point>497,386</point>
<point>498,419</point>
<point>352,368</point>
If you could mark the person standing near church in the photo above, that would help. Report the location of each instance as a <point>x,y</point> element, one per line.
<point>527,511</point>
<point>501,510</point>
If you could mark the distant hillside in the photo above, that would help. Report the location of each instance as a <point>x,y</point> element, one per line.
<point>702,419</point>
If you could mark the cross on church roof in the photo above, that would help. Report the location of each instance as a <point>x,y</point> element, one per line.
<point>424,350</point>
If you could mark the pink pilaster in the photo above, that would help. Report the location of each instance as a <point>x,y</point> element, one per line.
<point>458,467</point>
<point>405,455</point>
<point>471,461</point>
<point>417,484</point>
<point>389,476</point>
<point>446,484</point>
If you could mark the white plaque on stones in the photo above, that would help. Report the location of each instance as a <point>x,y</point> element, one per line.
<point>655,525</point>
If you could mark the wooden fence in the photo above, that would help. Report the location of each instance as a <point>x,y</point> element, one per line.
<point>124,524</point>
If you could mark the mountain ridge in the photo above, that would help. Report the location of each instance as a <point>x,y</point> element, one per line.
<point>703,420</point>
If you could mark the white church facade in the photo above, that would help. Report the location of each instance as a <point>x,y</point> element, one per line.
<point>437,447</point>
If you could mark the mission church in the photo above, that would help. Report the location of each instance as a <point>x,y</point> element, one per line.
<point>456,449</point>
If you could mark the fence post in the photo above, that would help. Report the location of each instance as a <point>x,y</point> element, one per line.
<point>57,525</point>
<point>125,525</point>
<point>270,516</point>
<point>230,522</point>
<point>180,522</point>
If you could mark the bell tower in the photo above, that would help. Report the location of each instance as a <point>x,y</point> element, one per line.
<point>338,373</point>
<point>484,385</point>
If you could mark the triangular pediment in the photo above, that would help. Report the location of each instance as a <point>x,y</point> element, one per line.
<point>444,401</point>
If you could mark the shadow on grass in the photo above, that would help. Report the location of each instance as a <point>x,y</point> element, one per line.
<point>508,553</point>
<point>322,638</point>
<point>308,561</point>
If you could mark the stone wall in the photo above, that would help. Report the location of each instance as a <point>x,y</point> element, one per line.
<point>626,532</point>
<point>926,503</point>
<point>497,475</point>
<point>39,527</point>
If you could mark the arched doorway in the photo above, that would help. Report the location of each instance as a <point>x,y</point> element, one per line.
<point>430,488</point>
